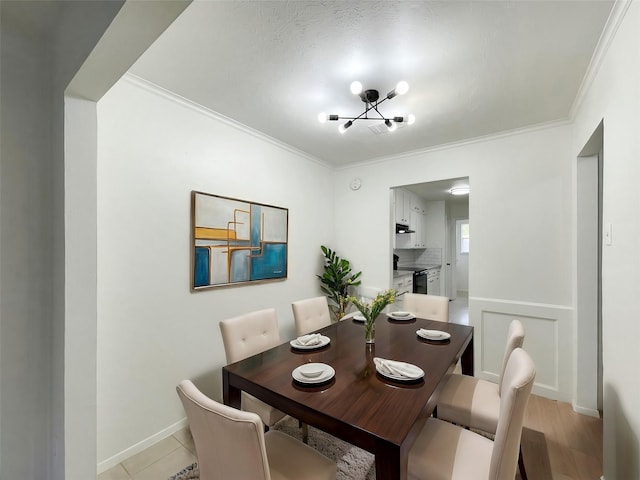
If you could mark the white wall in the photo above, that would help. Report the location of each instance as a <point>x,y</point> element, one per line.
<point>520,213</point>
<point>152,331</point>
<point>614,96</point>
<point>25,254</point>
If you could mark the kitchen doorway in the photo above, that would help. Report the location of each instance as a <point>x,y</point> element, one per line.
<point>442,209</point>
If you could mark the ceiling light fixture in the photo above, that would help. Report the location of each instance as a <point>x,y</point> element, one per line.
<point>371,100</point>
<point>461,190</point>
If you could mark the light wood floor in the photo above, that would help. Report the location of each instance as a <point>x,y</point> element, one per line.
<point>560,444</point>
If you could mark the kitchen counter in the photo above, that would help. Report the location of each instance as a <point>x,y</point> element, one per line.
<point>402,273</point>
<point>412,268</point>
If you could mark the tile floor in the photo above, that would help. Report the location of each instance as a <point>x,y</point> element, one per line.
<point>157,462</point>
<point>172,454</point>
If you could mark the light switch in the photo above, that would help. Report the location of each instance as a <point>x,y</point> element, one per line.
<point>607,234</point>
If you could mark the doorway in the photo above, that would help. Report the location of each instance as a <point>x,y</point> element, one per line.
<point>441,211</point>
<point>589,235</point>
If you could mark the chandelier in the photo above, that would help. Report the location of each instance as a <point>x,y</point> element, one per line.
<point>371,99</point>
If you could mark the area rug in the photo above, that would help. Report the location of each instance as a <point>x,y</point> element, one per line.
<point>353,462</point>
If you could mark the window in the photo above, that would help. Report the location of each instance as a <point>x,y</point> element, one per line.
<point>463,236</point>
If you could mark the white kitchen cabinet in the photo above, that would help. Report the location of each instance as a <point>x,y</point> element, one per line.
<point>403,283</point>
<point>418,239</point>
<point>404,240</point>
<point>435,224</point>
<point>402,200</point>
<point>433,284</point>
<point>416,204</point>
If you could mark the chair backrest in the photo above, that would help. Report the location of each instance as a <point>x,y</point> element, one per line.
<point>515,339</point>
<point>514,395</point>
<point>431,307</point>
<point>311,314</point>
<point>229,442</point>
<point>249,334</point>
<point>368,293</point>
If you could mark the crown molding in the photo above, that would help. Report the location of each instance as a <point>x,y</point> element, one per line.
<point>461,143</point>
<point>614,21</point>
<point>196,107</point>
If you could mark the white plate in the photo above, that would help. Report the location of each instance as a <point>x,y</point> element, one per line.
<point>358,317</point>
<point>436,335</point>
<point>401,378</point>
<point>328,374</point>
<point>323,341</point>
<point>395,316</point>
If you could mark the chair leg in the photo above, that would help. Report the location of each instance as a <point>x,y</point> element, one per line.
<point>523,474</point>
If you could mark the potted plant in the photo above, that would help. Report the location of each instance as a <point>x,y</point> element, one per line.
<point>336,280</point>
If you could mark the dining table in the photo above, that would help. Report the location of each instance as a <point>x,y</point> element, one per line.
<point>358,404</point>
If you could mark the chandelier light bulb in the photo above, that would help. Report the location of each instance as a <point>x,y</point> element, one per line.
<point>343,128</point>
<point>402,87</point>
<point>391,126</point>
<point>411,119</point>
<point>322,117</point>
<point>356,87</point>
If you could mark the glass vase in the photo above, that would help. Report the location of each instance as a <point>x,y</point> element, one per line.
<point>370,331</point>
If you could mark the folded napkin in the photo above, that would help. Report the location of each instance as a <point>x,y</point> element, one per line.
<point>433,334</point>
<point>399,369</point>
<point>308,340</point>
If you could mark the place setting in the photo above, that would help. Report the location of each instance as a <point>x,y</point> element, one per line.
<point>313,374</point>
<point>401,372</point>
<point>433,336</point>
<point>401,316</point>
<point>311,341</point>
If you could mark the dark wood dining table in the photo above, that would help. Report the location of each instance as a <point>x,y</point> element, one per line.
<point>358,405</point>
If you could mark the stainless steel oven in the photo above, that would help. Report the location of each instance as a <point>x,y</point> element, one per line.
<point>420,281</point>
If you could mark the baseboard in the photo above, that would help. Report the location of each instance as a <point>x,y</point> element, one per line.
<point>585,411</point>
<point>140,446</point>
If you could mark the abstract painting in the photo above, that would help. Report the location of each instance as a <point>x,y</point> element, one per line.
<point>236,241</point>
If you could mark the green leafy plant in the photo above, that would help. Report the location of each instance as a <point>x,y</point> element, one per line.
<point>370,311</point>
<point>336,280</point>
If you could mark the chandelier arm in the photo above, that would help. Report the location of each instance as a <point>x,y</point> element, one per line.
<point>378,112</point>
<point>365,118</point>
<point>369,106</point>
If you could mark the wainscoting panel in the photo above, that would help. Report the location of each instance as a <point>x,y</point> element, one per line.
<point>548,335</point>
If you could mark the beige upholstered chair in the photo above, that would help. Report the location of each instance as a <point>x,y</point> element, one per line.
<point>311,314</point>
<point>368,293</point>
<point>446,451</point>
<point>431,307</point>
<point>475,403</point>
<point>247,335</point>
<point>231,443</point>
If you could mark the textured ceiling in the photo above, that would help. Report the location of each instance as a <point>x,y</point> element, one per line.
<point>474,68</point>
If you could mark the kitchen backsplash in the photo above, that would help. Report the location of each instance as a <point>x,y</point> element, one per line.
<point>427,256</point>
